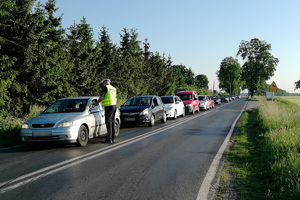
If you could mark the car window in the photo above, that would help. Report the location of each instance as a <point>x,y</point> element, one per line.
<point>138,101</point>
<point>195,97</point>
<point>167,100</point>
<point>201,98</point>
<point>185,96</point>
<point>67,105</point>
<point>159,101</point>
<point>177,99</point>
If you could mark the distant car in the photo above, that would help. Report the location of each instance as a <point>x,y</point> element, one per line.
<point>204,102</point>
<point>224,98</point>
<point>190,100</point>
<point>174,106</point>
<point>68,120</point>
<point>217,100</point>
<point>143,109</point>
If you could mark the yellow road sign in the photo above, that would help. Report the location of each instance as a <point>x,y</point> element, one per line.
<point>273,87</point>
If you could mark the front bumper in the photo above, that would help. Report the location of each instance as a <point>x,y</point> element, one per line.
<point>189,108</point>
<point>64,134</point>
<point>135,119</point>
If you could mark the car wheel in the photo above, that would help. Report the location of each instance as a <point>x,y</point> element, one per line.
<point>83,136</point>
<point>175,114</point>
<point>164,119</point>
<point>152,121</point>
<point>117,128</point>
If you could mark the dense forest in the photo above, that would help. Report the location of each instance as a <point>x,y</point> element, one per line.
<point>40,61</point>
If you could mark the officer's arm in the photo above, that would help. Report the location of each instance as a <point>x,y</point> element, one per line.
<point>100,99</point>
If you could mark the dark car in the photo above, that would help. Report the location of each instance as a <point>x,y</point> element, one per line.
<point>217,100</point>
<point>143,109</point>
<point>224,98</point>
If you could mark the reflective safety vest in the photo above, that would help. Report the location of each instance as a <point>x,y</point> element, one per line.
<point>110,97</point>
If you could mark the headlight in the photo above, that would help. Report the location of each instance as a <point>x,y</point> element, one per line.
<point>170,108</point>
<point>188,105</point>
<point>65,124</point>
<point>25,126</point>
<point>145,112</point>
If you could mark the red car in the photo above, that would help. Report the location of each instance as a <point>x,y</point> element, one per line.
<point>190,100</point>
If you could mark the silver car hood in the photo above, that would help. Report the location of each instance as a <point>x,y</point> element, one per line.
<point>55,118</point>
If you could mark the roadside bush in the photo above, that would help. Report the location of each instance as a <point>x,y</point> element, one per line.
<point>11,126</point>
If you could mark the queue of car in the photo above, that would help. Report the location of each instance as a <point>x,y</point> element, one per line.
<point>78,119</point>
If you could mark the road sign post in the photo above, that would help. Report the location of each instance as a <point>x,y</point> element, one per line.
<point>273,88</point>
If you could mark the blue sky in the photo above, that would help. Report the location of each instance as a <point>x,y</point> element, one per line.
<point>199,33</point>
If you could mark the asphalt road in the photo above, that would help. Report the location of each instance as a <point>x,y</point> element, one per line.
<point>167,161</point>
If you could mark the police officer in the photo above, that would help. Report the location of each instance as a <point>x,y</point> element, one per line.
<point>108,97</point>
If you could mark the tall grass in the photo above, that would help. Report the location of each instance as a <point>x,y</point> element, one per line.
<point>10,127</point>
<point>281,149</point>
<point>267,151</point>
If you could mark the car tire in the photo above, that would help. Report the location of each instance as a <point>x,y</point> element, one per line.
<point>117,128</point>
<point>83,136</point>
<point>175,114</point>
<point>164,118</point>
<point>152,121</point>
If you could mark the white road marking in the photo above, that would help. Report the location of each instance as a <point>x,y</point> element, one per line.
<point>27,178</point>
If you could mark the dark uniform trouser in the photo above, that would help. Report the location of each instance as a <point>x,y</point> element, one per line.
<point>110,112</point>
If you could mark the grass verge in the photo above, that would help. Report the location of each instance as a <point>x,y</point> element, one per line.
<point>266,152</point>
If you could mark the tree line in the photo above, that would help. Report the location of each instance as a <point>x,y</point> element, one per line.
<point>40,61</point>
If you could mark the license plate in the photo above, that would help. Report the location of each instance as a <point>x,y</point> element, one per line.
<point>129,119</point>
<point>41,133</point>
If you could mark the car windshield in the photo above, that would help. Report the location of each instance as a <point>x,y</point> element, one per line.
<point>138,101</point>
<point>167,100</point>
<point>185,96</point>
<point>201,98</point>
<point>67,105</point>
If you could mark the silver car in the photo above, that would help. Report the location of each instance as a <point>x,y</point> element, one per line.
<point>70,120</point>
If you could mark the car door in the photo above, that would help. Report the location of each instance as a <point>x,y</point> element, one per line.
<point>178,105</point>
<point>99,117</point>
<point>158,108</point>
<point>181,105</point>
<point>103,130</point>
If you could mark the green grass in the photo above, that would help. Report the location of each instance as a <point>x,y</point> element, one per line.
<point>266,153</point>
<point>10,127</point>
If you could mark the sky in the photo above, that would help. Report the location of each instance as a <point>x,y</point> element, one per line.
<point>199,34</point>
